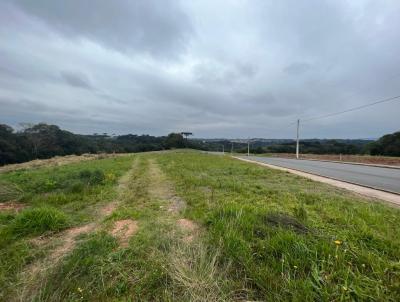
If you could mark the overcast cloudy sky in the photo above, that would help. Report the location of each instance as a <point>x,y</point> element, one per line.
<point>216,68</point>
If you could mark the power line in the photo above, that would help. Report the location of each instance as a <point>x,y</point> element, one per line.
<point>352,109</point>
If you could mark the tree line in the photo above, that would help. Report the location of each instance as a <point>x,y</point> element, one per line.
<point>388,145</point>
<point>44,141</point>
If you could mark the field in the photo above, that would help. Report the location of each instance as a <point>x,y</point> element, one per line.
<point>364,159</point>
<point>187,226</point>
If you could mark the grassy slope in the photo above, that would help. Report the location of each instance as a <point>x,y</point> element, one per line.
<point>265,235</point>
<point>249,212</point>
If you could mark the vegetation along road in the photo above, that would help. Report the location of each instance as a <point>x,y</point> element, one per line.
<point>387,179</point>
<point>187,226</point>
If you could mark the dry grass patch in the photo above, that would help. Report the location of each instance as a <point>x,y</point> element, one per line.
<point>195,273</point>
<point>55,161</point>
<point>189,228</point>
<point>109,208</point>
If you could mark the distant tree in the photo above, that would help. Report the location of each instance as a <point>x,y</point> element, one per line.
<point>8,144</point>
<point>175,140</point>
<point>387,145</point>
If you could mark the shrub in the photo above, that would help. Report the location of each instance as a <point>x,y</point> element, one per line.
<point>38,220</point>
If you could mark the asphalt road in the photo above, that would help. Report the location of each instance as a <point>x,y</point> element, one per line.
<point>380,178</point>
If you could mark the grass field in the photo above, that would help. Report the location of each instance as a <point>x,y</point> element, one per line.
<point>186,226</point>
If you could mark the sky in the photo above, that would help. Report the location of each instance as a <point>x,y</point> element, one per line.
<point>233,69</point>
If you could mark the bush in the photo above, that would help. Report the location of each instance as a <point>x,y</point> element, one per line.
<point>38,221</point>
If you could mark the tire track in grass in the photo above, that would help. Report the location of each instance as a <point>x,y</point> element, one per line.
<point>191,266</point>
<point>63,243</point>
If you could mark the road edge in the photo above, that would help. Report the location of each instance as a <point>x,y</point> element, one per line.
<point>348,163</point>
<point>390,197</point>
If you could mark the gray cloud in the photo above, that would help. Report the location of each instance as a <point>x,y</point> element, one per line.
<point>297,68</point>
<point>76,79</point>
<point>160,66</point>
<point>159,28</point>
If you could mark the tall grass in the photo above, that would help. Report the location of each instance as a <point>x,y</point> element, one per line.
<point>38,220</point>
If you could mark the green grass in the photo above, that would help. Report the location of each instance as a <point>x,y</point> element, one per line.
<point>38,220</point>
<point>279,230</point>
<point>263,234</point>
<point>55,198</point>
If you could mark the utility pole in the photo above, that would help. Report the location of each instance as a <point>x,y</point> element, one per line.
<point>223,149</point>
<point>248,148</point>
<point>231,147</point>
<point>297,140</point>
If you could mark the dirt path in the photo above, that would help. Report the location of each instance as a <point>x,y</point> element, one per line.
<point>162,189</point>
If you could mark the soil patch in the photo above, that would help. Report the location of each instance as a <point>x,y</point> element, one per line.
<point>123,230</point>
<point>189,227</point>
<point>11,206</point>
<point>187,224</point>
<point>68,238</point>
<point>108,208</point>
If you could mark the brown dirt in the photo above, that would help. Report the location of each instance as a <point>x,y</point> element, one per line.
<point>364,159</point>
<point>11,206</point>
<point>69,240</point>
<point>187,224</point>
<point>189,227</point>
<point>108,208</point>
<point>124,229</point>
